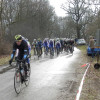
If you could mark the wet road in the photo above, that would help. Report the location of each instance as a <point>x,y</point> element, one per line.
<point>52,79</point>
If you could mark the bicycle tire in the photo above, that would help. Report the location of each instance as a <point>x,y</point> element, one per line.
<point>28,77</point>
<point>17,74</point>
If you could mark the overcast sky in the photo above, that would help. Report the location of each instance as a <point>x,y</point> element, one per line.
<point>60,12</point>
<point>57,5</point>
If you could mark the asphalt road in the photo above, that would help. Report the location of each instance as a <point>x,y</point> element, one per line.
<point>51,79</point>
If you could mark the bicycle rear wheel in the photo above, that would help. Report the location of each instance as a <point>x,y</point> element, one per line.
<point>71,50</point>
<point>38,53</point>
<point>57,52</point>
<point>17,82</point>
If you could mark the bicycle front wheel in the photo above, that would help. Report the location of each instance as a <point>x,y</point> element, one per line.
<point>28,76</point>
<point>17,82</point>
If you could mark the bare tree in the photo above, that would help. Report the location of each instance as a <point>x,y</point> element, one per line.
<point>77,10</point>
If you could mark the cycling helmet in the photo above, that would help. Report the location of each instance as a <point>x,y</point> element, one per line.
<point>34,40</point>
<point>26,39</point>
<point>38,38</point>
<point>18,37</point>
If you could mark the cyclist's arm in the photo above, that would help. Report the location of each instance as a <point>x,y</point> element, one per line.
<point>14,50</point>
<point>26,50</point>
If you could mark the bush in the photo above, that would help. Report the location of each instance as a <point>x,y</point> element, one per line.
<point>5,47</point>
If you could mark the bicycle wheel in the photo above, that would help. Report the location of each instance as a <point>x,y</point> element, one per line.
<point>45,50</point>
<point>71,50</point>
<point>57,52</point>
<point>51,54</point>
<point>28,77</point>
<point>17,82</point>
<point>38,53</point>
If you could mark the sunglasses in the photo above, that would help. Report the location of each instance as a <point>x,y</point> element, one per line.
<point>18,40</point>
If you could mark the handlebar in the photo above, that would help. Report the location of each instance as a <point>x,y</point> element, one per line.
<point>21,61</point>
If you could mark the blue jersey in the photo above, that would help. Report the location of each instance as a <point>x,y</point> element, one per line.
<point>39,44</point>
<point>58,45</point>
<point>45,44</point>
<point>51,44</point>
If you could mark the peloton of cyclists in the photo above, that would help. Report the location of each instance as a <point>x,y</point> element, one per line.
<point>52,46</point>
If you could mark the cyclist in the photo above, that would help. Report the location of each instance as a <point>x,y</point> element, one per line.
<point>58,46</point>
<point>39,45</point>
<point>51,46</point>
<point>71,44</point>
<point>34,46</point>
<point>62,44</point>
<point>45,43</point>
<point>23,52</point>
<point>66,45</point>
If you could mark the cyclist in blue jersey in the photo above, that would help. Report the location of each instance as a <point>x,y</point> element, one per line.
<point>23,50</point>
<point>39,45</point>
<point>51,46</point>
<point>58,46</point>
<point>45,44</point>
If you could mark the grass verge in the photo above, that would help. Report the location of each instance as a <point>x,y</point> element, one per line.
<point>4,60</point>
<point>82,48</point>
<point>91,87</point>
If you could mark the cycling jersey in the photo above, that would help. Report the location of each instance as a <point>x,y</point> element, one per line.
<point>39,43</point>
<point>71,42</point>
<point>58,45</point>
<point>51,44</point>
<point>23,50</point>
<point>34,44</point>
<point>45,43</point>
<point>39,46</point>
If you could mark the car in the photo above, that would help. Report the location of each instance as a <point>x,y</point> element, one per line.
<point>81,42</point>
<point>95,50</point>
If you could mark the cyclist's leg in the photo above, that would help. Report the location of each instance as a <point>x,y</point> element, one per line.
<point>53,51</point>
<point>28,62</point>
<point>34,51</point>
<point>50,50</point>
<point>28,59</point>
<point>37,50</point>
<point>20,57</point>
<point>73,47</point>
<point>40,51</point>
<point>47,49</point>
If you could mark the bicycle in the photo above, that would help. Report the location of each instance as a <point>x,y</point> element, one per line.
<point>58,51</point>
<point>20,77</point>
<point>71,48</point>
<point>66,49</point>
<point>46,50</point>
<point>51,52</point>
<point>39,53</point>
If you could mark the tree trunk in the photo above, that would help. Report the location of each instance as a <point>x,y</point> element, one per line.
<point>78,31</point>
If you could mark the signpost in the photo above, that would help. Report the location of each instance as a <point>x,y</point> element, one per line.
<point>98,44</point>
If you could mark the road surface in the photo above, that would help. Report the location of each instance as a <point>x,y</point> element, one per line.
<point>51,79</point>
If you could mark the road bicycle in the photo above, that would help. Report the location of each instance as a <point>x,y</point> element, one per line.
<point>21,76</point>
